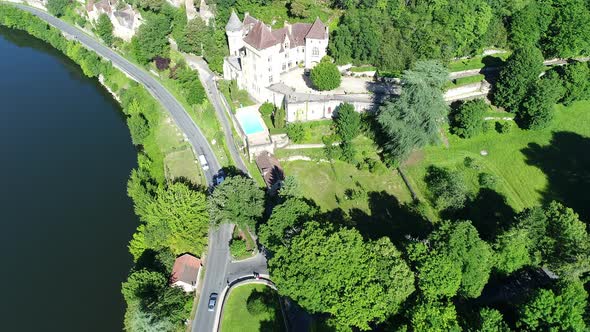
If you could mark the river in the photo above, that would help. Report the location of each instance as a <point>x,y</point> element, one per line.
<point>65,156</point>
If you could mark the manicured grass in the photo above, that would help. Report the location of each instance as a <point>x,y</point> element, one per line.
<point>532,166</point>
<point>317,130</point>
<point>236,99</point>
<point>204,116</point>
<point>479,61</point>
<point>326,183</point>
<point>362,69</point>
<point>465,80</point>
<point>182,165</point>
<point>236,317</point>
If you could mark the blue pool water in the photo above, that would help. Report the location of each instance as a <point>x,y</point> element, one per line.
<point>250,123</point>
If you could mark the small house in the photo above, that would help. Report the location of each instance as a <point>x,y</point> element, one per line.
<point>186,272</point>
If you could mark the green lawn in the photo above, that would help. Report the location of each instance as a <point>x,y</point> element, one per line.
<point>237,318</point>
<point>362,69</point>
<point>532,166</point>
<point>479,61</point>
<point>236,99</point>
<point>326,183</point>
<point>465,80</point>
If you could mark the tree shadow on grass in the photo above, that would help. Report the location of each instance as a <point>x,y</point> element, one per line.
<point>566,162</point>
<point>266,301</point>
<point>390,218</point>
<point>488,211</point>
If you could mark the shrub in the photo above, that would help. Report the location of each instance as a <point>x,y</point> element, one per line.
<point>503,127</point>
<point>296,132</point>
<point>238,248</point>
<point>470,163</point>
<point>487,180</point>
<point>266,109</point>
<point>139,128</point>
<point>487,126</point>
<point>278,120</point>
<point>468,120</point>
<point>162,63</point>
<point>447,188</point>
<point>325,76</point>
<point>259,302</point>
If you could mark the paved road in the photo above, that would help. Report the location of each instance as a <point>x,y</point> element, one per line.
<point>177,112</point>
<point>208,80</point>
<point>219,268</point>
<point>219,271</point>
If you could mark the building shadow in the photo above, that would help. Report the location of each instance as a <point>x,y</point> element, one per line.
<point>566,163</point>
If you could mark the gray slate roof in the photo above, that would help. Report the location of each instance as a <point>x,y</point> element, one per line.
<point>234,23</point>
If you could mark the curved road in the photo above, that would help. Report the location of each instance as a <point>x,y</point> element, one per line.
<point>177,112</point>
<point>219,268</point>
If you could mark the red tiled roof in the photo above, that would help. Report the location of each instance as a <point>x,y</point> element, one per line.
<point>260,37</point>
<point>186,268</point>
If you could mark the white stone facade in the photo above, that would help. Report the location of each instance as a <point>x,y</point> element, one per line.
<point>124,18</point>
<point>259,55</point>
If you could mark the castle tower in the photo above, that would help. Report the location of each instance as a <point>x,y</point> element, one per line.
<point>233,30</point>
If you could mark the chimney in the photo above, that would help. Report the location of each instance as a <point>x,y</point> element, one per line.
<point>246,14</point>
<point>288,26</point>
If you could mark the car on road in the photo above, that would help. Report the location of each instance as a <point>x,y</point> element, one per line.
<point>203,162</point>
<point>212,302</point>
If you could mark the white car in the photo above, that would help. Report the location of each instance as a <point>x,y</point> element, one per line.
<point>203,162</point>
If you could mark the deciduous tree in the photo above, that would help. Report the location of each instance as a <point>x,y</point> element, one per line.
<point>337,272</point>
<point>177,219</point>
<point>237,200</point>
<point>325,76</point>
<point>104,29</point>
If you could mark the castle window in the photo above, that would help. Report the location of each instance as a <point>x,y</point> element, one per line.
<point>315,51</point>
<point>284,66</point>
<point>270,79</point>
<point>269,59</point>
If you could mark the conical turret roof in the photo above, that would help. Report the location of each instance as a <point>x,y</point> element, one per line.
<point>234,23</point>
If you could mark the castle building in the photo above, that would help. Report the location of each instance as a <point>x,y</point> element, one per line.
<point>259,55</point>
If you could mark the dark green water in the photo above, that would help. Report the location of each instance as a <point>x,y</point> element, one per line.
<point>65,219</point>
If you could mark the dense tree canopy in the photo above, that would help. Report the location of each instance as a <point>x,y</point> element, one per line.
<point>456,260</point>
<point>237,200</point>
<point>413,120</point>
<point>286,221</point>
<point>151,39</point>
<point>104,29</point>
<point>560,310</point>
<point>536,110</point>
<point>177,219</point>
<point>522,69</point>
<point>357,282</point>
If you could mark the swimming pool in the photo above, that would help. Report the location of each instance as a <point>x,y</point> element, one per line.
<point>250,122</point>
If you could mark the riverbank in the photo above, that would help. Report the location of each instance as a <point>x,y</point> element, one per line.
<point>163,157</point>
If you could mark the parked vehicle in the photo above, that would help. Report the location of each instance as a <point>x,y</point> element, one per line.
<point>203,162</point>
<point>212,301</point>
